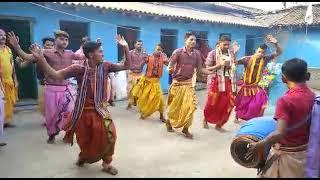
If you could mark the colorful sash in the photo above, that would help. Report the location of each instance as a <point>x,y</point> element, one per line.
<point>98,96</point>
<point>250,83</point>
<point>221,73</point>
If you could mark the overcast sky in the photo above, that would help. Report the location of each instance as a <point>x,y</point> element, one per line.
<point>268,6</point>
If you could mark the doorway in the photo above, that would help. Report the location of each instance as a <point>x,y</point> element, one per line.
<point>249,45</point>
<point>26,76</point>
<point>169,40</point>
<point>131,34</point>
<point>76,31</point>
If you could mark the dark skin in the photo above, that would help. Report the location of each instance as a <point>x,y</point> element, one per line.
<point>94,58</point>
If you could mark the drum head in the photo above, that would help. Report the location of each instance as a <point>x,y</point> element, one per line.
<point>239,148</point>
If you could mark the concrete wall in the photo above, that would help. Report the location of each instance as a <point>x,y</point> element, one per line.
<point>105,27</point>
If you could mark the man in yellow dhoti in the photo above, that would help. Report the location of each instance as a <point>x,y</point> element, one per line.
<point>182,98</point>
<point>138,60</point>
<point>8,78</point>
<point>148,90</point>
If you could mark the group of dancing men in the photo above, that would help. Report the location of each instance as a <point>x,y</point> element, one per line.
<point>83,110</point>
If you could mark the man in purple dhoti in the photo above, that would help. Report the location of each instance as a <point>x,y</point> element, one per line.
<point>58,94</point>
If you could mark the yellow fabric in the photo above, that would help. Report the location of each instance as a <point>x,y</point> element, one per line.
<point>149,94</point>
<point>10,98</point>
<point>194,78</point>
<point>6,64</point>
<point>248,91</point>
<point>181,104</point>
<point>132,81</point>
<point>41,100</point>
<point>10,92</point>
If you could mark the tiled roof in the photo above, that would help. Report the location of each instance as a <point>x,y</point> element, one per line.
<point>171,11</point>
<point>289,17</point>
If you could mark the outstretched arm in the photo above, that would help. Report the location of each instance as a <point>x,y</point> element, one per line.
<point>44,66</point>
<point>278,52</point>
<point>14,42</point>
<point>120,67</point>
<point>22,63</point>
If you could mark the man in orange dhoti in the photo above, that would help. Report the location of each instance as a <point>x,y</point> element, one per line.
<point>91,121</point>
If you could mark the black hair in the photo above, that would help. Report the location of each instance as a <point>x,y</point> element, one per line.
<point>224,38</point>
<point>160,45</point>
<point>84,39</point>
<point>138,41</point>
<point>90,47</point>
<point>188,34</point>
<point>44,40</point>
<point>263,46</point>
<point>61,33</point>
<point>296,70</point>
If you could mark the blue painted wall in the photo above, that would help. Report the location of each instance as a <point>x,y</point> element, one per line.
<point>46,21</point>
<point>301,45</point>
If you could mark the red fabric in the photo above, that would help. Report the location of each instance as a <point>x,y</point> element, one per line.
<point>219,104</point>
<point>293,108</point>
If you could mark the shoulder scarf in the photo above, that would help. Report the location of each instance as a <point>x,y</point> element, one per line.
<point>98,96</point>
<point>248,78</point>
<point>220,72</point>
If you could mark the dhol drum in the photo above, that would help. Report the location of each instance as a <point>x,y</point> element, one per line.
<point>252,131</point>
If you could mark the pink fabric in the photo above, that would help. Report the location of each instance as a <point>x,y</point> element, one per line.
<point>57,107</point>
<point>1,115</point>
<point>248,107</point>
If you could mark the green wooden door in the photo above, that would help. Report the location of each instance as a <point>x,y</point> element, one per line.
<point>26,76</point>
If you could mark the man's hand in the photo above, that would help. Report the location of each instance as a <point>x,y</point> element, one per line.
<point>120,40</point>
<point>13,39</point>
<point>19,60</point>
<point>235,47</point>
<point>271,39</point>
<point>36,51</point>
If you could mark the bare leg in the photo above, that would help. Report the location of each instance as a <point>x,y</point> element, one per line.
<point>169,127</point>
<point>205,124</point>
<point>129,106</point>
<point>186,132</point>
<point>141,117</point>
<point>162,119</point>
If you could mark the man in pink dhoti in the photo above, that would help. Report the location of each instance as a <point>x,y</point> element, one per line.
<point>58,94</point>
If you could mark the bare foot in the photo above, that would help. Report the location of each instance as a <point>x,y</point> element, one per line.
<point>162,119</point>
<point>237,121</point>
<point>128,107</point>
<point>187,134</point>
<point>169,127</point>
<point>51,140</point>
<point>141,117</point>
<point>80,163</point>
<point>205,125</point>
<point>220,129</point>
<point>110,169</point>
